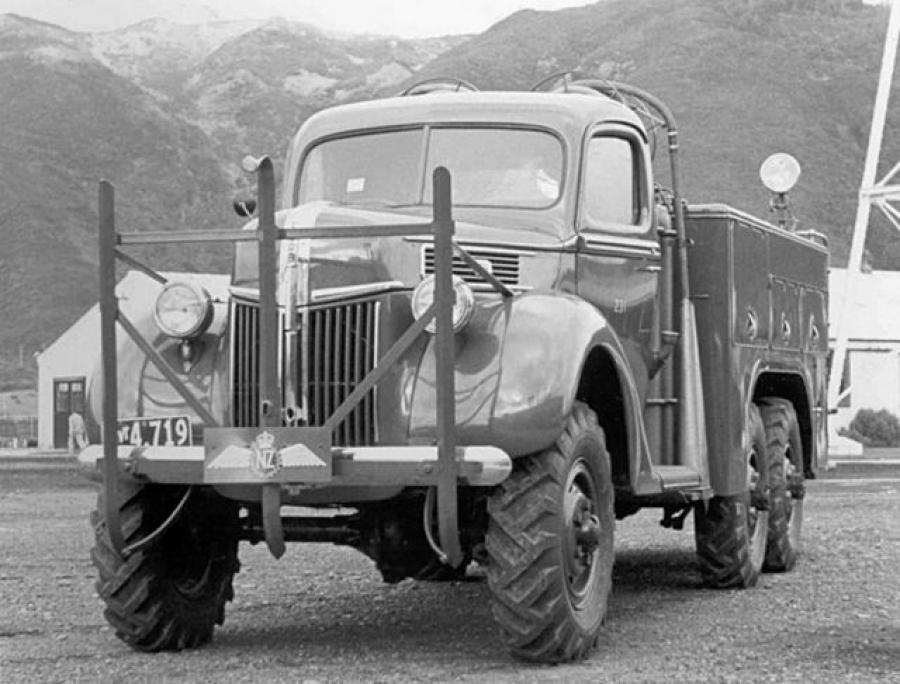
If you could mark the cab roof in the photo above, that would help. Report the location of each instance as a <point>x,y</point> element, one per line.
<point>568,113</point>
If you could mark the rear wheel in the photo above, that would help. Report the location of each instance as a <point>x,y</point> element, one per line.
<point>171,594</point>
<point>550,545</point>
<point>785,458</point>
<point>731,531</point>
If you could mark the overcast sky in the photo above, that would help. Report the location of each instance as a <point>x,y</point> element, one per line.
<point>406,18</point>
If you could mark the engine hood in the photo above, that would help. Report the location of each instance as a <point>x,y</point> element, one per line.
<point>338,268</point>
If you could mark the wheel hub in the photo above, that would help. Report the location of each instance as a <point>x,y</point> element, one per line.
<point>583,534</point>
<point>587,536</point>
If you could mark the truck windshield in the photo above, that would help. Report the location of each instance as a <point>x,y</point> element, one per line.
<point>490,167</point>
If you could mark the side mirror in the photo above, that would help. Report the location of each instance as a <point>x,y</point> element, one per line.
<point>244,207</point>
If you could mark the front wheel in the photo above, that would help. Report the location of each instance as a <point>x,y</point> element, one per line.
<point>171,594</point>
<point>731,531</point>
<point>550,545</point>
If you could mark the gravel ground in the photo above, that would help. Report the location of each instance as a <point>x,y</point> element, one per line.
<point>321,613</point>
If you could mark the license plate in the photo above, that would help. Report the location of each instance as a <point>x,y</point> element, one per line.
<point>168,431</point>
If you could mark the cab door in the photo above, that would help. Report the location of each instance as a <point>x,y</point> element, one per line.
<point>618,261</point>
<point>618,266</point>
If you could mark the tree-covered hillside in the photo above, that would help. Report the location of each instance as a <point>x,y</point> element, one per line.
<point>745,78</point>
<point>74,108</point>
<point>66,122</point>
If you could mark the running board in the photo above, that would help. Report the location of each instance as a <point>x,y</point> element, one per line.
<point>677,477</point>
<point>672,479</point>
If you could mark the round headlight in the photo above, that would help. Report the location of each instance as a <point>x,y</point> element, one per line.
<point>463,308</point>
<point>183,309</point>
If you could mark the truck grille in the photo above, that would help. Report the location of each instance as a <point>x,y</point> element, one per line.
<point>504,265</point>
<point>342,350</point>
<point>245,364</point>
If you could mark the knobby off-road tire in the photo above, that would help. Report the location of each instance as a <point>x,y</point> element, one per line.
<point>785,457</point>
<point>730,531</point>
<point>550,545</point>
<point>171,594</point>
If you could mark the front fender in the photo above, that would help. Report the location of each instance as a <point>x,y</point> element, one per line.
<point>142,389</point>
<point>517,369</point>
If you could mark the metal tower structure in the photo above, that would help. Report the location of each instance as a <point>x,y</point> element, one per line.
<point>878,193</point>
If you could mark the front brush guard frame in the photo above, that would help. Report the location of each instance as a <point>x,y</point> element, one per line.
<point>266,235</point>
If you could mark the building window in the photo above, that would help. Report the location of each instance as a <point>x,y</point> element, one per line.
<point>62,397</point>
<point>78,396</point>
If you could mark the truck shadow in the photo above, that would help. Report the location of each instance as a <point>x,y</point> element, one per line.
<point>434,620</point>
<point>653,569</point>
<point>423,620</point>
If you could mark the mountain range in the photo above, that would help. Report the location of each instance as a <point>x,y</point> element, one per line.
<point>166,111</point>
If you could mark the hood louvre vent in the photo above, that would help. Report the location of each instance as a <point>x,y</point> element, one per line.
<point>504,265</point>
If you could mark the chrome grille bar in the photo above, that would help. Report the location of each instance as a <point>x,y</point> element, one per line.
<point>346,370</point>
<point>315,331</point>
<point>244,363</point>
<point>358,371</point>
<point>325,353</point>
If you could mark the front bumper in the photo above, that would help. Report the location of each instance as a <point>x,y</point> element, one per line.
<point>407,466</point>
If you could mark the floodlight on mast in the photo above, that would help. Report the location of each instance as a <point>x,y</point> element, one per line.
<point>779,173</point>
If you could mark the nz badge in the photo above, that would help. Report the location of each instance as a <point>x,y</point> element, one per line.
<point>265,457</point>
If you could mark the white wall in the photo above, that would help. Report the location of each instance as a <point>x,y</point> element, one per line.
<point>72,355</point>
<point>875,383</point>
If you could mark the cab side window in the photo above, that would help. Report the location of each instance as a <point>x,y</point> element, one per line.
<point>613,193</point>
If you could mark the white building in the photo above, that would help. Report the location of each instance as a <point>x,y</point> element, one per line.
<point>65,367</point>
<point>872,370</point>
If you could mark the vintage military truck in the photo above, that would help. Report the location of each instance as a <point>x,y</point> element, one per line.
<point>476,330</point>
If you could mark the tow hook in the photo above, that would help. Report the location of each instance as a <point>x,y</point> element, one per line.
<point>673,518</point>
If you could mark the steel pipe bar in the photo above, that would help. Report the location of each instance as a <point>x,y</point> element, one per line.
<point>269,387</point>
<point>876,192</point>
<point>337,232</point>
<point>159,237</point>
<point>891,212</point>
<point>141,266</point>
<point>108,314</point>
<point>448,526</point>
<point>890,174</point>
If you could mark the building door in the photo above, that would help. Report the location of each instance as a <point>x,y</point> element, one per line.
<point>68,396</point>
